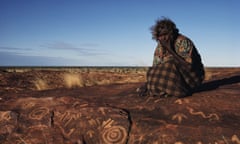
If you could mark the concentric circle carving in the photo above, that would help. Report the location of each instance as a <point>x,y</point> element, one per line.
<point>39,113</point>
<point>114,134</point>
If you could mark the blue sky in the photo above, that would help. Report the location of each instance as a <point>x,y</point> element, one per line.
<point>113,32</point>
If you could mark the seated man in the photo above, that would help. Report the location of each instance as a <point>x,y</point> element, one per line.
<point>177,68</point>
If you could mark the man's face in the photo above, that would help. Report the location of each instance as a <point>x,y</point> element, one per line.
<point>164,38</point>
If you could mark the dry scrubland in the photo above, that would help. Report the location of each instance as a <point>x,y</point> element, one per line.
<point>40,78</point>
<point>51,78</point>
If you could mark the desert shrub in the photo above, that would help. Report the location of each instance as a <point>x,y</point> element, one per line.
<point>73,80</point>
<point>40,84</point>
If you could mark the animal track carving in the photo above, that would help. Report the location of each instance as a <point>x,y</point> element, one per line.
<point>211,116</point>
<point>90,133</point>
<point>107,123</point>
<point>64,133</point>
<point>181,101</point>
<point>179,117</point>
<point>235,139</point>
<point>68,117</point>
<point>64,122</point>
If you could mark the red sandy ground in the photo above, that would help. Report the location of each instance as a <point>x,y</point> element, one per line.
<point>110,111</point>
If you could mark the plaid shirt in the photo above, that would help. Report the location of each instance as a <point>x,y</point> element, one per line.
<point>168,77</point>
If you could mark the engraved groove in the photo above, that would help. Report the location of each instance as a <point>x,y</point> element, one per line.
<point>115,134</point>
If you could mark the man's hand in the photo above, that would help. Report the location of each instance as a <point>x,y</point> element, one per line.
<point>166,41</point>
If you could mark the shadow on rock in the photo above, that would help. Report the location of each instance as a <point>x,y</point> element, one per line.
<point>211,85</point>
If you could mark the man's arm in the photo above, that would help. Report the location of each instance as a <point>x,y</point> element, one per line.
<point>170,48</point>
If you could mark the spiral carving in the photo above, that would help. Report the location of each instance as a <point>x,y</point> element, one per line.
<point>114,134</point>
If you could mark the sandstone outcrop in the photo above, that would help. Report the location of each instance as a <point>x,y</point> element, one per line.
<point>114,113</point>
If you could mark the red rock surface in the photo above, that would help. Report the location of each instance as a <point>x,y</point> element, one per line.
<point>112,112</point>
